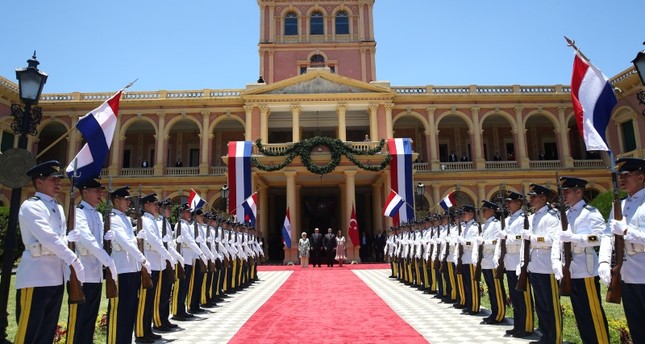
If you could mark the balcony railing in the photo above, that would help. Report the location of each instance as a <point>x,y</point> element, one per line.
<point>457,166</point>
<point>182,171</point>
<point>545,164</point>
<point>137,171</point>
<point>218,170</point>
<point>597,163</point>
<point>501,165</point>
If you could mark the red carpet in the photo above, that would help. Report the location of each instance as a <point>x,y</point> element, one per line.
<point>346,266</point>
<point>325,305</point>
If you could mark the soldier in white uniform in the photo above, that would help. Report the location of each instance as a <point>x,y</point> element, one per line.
<point>129,261</point>
<point>542,267</point>
<point>88,235</point>
<point>40,275</point>
<point>632,228</point>
<point>512,235</point>
<point>586,227</point>
<point>496,290</point>
<point>468,241</point>
<point>157,255</point>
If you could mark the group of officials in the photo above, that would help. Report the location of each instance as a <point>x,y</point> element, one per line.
<point>162,271</point>
<point>447,255</point>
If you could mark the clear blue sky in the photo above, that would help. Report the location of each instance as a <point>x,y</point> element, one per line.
<point>99,46</point>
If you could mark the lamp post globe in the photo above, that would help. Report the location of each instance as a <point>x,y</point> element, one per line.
<point>639,64</point>
<point>31,81</point>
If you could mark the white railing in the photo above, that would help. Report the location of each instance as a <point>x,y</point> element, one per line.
<point>218,170</point>
<point>421,166</point>
<point>182,171</point>
<point>457,166</point>
<point>137,171</point>
<point>501,165</point>
<point>545,164</point>
<point>104,172</point>
<point>595,163</point>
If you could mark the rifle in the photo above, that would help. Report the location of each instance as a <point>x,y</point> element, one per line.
<point>202,265</point>
<point>146,279</point>
<point>565,283</point>
<point>74,288</point>
<point>437,262</point>
<point>111,290</point>
<point>460,249</point>
<point>181,274</point>
<point>480,250</point>
<point>522,280</point>
<point>170,273</point>
<point>614,291</point>
<point>501,267</point>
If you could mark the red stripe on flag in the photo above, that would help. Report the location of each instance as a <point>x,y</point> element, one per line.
<point>579,71</point>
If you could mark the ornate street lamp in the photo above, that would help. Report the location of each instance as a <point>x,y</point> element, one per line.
<point>224,192</point>
<point>31,82</point>
<point>419,191</point>
<point>639,63</point>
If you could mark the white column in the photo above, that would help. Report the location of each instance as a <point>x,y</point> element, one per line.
<point>264,124</point>
<point>342,130</point>
<point>248,123</point>
<point>295,123</point>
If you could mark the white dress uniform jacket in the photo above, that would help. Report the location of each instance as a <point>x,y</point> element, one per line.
<point>89,246</point>
<point>545,227</point>
<point>125,253</point>
<point>153,245</point>
<point>46,256</point>
<point>588,226</point>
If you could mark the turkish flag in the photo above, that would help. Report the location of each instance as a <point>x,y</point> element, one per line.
<point>352,231</point>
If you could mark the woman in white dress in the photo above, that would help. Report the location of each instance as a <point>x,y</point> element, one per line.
<point>303,250</point>
<point>340,248</point>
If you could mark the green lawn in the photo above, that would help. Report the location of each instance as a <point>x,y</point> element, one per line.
<point>614,312</point>
<point>99,336</point>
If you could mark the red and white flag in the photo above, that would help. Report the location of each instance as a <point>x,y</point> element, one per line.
<point>352,231</point>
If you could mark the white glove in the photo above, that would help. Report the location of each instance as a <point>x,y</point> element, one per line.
<point>147,266</point>
<point>181,260</point>
<point>557,269</point>
<point>604,272</point>
<point>203,258</point>
<point>73,235</point>
<point>79,269</point>
<point>109,235</point>
<point>112,268</point>
<point>479,240</point>
<point>566,236</point>
<point>618,227</point>
<point>141,235</point>
<point>526,234</point>
<point>518,269</point>
<point>461,240</point>
<point>172,260</point>
<point>500,234</point>
<point>167,238</point>
<point>179,239</point>
<point>199,240</point>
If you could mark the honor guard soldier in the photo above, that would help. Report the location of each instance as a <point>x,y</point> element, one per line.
<point>458,240</point>
<point>632,229</point>
<point>586,227</point>
<point>161,313</point>
<point>448,264</point>
<point>496,290</point>
<point>448,292</point>
<point>129,261</point>
<point>157,255</point>
<point>88,233</point>
<point>191,253</point>
<point>544,234</point>
<point>204,244</point>
<point>40,275</point>
<point>512,235</point>
<point>389,251</point>
<point>469,242</point>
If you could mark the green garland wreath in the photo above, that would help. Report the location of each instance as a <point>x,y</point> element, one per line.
<point>337,148</point>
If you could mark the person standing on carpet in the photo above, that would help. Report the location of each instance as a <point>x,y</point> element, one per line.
<point>340,248</point>
<point>329,245</point>
<point>303,250</point>
<point>316,247</point>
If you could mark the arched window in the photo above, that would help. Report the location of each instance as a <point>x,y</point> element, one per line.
<point>317,25</point>
<point>291,24</point>
<point>317,61</point>
<point>342,23</point>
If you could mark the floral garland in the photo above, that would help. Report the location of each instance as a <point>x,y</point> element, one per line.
<point>337,148</point>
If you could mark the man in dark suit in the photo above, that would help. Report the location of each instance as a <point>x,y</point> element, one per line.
<point>316,247</point>
<point>452,157</point>
<point>329,244</point>
<point>379,246</point>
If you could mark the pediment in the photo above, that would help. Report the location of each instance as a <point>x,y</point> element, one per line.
<point>318,82</point>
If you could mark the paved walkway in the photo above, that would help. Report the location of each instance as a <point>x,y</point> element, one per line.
<point>437,322</point>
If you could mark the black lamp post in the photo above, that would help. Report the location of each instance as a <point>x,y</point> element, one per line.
<point>639,64</point>
<point>31,82</point>
<point>224,192</point>
<point>419,191</point>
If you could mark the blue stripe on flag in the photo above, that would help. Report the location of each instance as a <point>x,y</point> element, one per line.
<point>93,134</point>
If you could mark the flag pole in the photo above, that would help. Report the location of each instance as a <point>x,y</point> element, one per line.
<point>572,44</point>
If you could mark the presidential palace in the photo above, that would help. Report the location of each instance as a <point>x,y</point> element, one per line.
<point>317,78</point>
